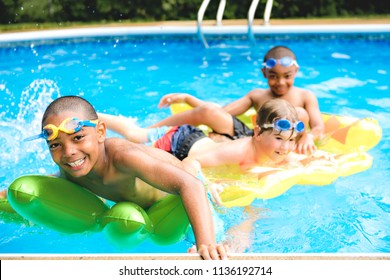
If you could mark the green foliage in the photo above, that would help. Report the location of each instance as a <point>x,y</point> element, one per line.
<point>61,11</point>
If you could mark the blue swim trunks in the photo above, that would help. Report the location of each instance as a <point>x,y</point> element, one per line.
<point>240,130</point>
<point>176,140</point>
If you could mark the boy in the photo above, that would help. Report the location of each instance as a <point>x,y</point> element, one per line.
<point>280,68</point>
<point>276,133</point>
<point>119,170</point>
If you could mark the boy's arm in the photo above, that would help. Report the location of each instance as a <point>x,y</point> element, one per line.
<point>315,119</point>
<point>235,108</point>
<point>172,179</point>
<point>124,127</point>
<point>242,104</point>
<point>3,194</point>
<point>213,189</point>
<point>306,143</point>
<point>172,98</point>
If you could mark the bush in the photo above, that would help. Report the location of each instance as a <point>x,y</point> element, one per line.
<point>57,11</point>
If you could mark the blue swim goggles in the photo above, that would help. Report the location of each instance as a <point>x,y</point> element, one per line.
<point>283,125</point>
<point>284,61</point>
<point>69,126</point>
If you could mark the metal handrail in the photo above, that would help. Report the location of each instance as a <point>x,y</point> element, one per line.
<point>201,12</point>
<point>221,9</point>
<point>267,11</point>
<point>251,16</point>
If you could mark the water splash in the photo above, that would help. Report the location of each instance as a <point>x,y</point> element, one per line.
<point>18,157</point>
<point>35,98</point>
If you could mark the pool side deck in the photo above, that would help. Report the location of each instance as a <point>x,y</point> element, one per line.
<point>161,256</point>
<point>259,22</point>
<point>209,27</point>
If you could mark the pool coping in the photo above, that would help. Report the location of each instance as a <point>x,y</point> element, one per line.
<point>173,30</point>
<point>185,256</point>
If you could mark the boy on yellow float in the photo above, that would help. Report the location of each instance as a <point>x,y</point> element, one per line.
<point>279,68</point>
<point>119,170</point>
<point>276,133</point>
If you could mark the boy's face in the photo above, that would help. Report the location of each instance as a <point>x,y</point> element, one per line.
<point>280,78</point>
<point>77,153</point>
<point>276,145</point>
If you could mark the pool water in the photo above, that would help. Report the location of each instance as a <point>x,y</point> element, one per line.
<point>128,75</point>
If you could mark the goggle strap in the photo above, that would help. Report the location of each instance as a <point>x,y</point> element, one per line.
<point>31,138</point>
<point>267,125</point>
<point>92,123</point>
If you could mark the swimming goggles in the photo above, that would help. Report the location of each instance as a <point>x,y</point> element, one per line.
<point>283,125</point>
<point>69,126</point>
<point>284,61</point>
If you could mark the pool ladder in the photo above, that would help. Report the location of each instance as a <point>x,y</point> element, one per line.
<point>221,9</point>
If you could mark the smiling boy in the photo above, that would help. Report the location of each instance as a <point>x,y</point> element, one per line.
<point>119,170</point>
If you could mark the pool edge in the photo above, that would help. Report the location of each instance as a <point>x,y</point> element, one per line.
<point>192,30</point>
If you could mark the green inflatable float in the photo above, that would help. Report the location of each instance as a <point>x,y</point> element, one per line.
<point>66,207</point>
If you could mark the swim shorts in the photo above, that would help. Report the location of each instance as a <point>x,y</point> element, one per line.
<point>176,140</point>
<point>240,129</point>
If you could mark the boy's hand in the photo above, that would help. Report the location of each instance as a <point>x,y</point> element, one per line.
<point>211,252</point>
<point>215,190</point>
<point>306,144</point>
<point>171,98</point>
<point>3,193</point>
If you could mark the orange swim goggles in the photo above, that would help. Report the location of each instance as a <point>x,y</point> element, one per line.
<point>69,126</point>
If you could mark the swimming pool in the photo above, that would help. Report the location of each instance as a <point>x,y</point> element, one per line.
<point>127,75</point>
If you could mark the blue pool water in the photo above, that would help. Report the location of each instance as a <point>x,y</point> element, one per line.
<point>127,75</point>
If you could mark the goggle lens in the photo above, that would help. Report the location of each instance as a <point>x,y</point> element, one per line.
<point>300,127</point>
<point>71,125</point>
<point>271,63</point>
<point>283,124</point>
<point>286,61</point>
<point>47,133</point>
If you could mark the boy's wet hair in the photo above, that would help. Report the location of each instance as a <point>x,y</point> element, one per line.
<point>278,52</point>
<point>70,103</point>
<point>273,110</point>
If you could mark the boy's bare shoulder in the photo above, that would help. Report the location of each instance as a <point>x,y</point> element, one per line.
<point>116,149</point>
<point>118,144</point>
<point>303,91</point>
<point>257,92</point>
<point>120,149</point>
<point>258,96</point>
